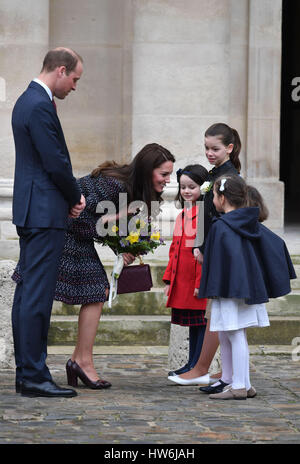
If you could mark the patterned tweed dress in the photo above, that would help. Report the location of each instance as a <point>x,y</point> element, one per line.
<point>81,276</point>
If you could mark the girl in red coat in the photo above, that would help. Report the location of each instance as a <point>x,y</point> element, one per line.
<point>183,273</point>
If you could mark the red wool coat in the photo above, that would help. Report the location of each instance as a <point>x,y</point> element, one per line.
<point>183,271</point>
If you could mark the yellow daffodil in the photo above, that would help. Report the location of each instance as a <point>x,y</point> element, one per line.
<point>133,237</point>
<point>155,236</point>
<point>140,223</point>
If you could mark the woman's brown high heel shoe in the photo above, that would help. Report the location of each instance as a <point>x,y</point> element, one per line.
<point>74,371</point>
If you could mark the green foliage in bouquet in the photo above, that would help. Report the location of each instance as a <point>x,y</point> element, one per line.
<point>141,238</point>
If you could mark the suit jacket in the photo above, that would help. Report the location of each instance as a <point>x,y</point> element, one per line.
<point>183,271</point>
<point>44,186</point>
<point>244,259</point>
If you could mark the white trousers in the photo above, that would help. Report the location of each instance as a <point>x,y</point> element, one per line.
<point>235,358</point>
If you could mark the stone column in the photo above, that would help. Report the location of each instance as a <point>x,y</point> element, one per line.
<point>180,74</point>
<point>181,85</point>
<point>96,119</point>
<point>24,42</point>
<point>263,126</point>
<point>238,72</point>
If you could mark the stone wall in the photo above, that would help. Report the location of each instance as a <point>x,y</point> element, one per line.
<point>7,288</point>
<point>155,70</point>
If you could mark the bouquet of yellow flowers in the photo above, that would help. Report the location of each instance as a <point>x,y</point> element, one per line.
<point>138,237</point>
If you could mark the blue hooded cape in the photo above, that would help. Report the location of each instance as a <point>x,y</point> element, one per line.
<point>244,259</point>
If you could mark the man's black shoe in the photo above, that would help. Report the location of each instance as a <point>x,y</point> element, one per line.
<point>46,389</point>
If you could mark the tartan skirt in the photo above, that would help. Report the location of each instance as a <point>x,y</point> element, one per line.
<point>188,317</point>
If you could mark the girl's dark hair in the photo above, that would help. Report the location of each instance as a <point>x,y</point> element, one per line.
<point>137,176</point>
<point>196,172</point>
<point>254,198</point>
<point>234,190</point>
<point>227,135</point>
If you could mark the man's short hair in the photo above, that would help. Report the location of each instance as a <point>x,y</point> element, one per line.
<point>61,57</point>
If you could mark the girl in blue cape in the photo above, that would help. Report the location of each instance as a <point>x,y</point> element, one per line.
<point>244,265</point>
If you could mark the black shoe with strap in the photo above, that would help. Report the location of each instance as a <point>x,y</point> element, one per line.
<point>217,389</point>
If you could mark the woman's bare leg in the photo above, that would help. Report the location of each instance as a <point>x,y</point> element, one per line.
<point>209,348</point>
<point>88,321</point>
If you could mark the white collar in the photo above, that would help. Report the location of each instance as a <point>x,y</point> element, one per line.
<point>38,81</point>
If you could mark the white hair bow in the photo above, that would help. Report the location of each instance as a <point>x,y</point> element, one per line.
<point>222,188</point>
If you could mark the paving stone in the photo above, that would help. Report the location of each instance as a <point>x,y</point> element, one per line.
<point>143,407</point>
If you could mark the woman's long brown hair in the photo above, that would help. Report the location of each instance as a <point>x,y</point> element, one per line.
<point>137,176</point>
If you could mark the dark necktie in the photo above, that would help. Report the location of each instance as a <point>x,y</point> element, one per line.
<point>54,104</point>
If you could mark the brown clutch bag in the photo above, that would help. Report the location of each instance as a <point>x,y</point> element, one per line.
<point>135,278</point>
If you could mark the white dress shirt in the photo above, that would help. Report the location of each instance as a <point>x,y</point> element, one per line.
<point>45,87</point>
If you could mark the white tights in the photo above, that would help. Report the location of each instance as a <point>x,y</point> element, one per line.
<point>235,358</point>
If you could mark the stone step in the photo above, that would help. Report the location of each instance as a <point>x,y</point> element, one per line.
<point>154,303</point>
<point>155,330</point>
<point>142,319</point>
<point>267,350</point>
<point>114,330</point>
<point>141,303</point>
<point>295,283</point>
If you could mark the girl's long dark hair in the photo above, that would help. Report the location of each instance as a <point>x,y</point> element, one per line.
<point>227,135</point>
<point>137,176</point>
<point>254,198</point>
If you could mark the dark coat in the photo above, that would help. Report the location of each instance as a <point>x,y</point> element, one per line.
<point>210,211</point>
<point>44,186</point>
<point>244,259</point>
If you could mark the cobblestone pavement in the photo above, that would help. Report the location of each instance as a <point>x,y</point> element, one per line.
<point>144,407</point>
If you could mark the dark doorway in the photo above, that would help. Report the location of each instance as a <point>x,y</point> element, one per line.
<point>290,110</point>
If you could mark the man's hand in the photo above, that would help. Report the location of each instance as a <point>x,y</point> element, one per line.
<point>78,208</point>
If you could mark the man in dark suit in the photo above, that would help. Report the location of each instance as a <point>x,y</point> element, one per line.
<point>45,193</point>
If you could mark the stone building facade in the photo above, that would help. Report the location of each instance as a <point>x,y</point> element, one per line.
<point>154,71</point>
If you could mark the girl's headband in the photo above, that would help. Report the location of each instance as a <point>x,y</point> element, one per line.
<point>180,172</point>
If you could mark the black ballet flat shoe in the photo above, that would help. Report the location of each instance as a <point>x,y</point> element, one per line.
<point>217,389</point>
<point>74,371</point>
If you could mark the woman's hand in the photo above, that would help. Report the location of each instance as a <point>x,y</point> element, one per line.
<point>78,208</point>
<point>128,258</point>
<point>167,289</point>
<point>109,218</point>
<point>198,255</point>
<point>196,291</point>
<point>113,217</point>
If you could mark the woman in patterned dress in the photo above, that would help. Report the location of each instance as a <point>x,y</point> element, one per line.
<point>82,278</point>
